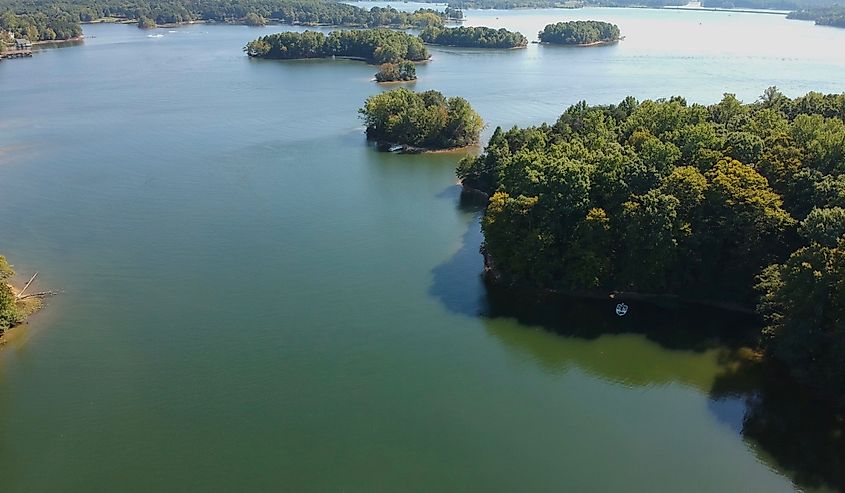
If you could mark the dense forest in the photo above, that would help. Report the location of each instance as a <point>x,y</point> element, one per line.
<point>372,45</point>
<point>733,202</point>
<point>39,26</point>
<point>60,19</point>
<point>397,72</point>
<point>831,16</point>
<point>476,37</point>
<point>423,120</point>
<point>579,33</point>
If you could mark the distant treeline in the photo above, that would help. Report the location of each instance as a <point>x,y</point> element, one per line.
<point>372,45</point>
<point>519,4</point>
<point>731,202</point>
<point>579,33</point>
<point>726,4</point>
<point>831,16</point>
<point>768,4</point>
<point>60,19</point>
<point>477,37</point>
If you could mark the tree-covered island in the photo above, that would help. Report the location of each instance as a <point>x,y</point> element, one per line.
<point>404,71</point>
<point>580,33</point>
<point>420,121</point>
<point>474,37</point>
<point>371,45</point>
<point>737,203</point>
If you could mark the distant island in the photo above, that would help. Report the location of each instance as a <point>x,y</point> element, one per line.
<point>420,121</point>
<point>49,20</point>
<point>376,46</point>
<point>474,37</point>
<point>580,33</point>
<point>404,71</point>
<point>830,16</point>
<point>737,204</point>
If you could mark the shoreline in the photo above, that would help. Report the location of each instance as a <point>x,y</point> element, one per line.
<point>495,279</point>
<point>59,41</point>
<point>603,42</point>
<point>409,149</point>
<point>392,81</point>
<point>28,306</point>
<point>478,47</point>
<point>336,57</point>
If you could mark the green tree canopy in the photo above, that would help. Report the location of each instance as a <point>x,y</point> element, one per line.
<point>426,119</point>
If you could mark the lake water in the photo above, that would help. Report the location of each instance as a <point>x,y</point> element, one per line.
<point>254,299</point>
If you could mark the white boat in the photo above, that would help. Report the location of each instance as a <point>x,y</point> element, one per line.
<point>621,309</point>
<point>395,148</point>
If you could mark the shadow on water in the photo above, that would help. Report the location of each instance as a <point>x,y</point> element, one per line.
<point>786,427</point>
<point>802,435</point>
<point>458,284</point>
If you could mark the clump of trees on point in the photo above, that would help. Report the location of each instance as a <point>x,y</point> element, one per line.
<point>425,120</point>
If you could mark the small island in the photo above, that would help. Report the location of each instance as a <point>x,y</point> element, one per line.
<point>414,122</point>
<point>376,46</point>
<point>473,37</point>
<point>397,72</point>
<point>580,33</point>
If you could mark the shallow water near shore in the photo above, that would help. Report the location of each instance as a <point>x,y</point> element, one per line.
<point>254,298</point>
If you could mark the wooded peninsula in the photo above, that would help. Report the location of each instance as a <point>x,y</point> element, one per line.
<point>474,37</point>
<point>580,33</point>
<point>729,202</point>
<point>420,121</point>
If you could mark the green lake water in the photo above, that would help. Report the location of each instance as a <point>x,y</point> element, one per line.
<point>254,299</point>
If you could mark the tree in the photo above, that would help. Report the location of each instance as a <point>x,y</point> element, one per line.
<point>146,23</point>
<point>253,19</point>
